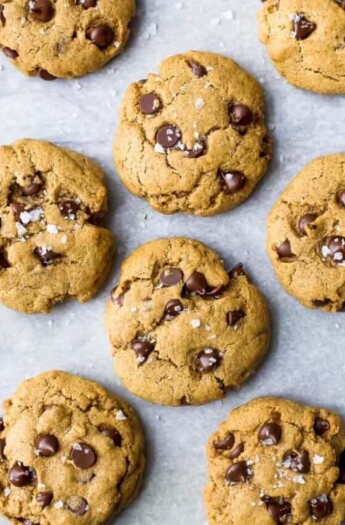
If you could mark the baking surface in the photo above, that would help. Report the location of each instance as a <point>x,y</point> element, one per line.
<point>306,361</point>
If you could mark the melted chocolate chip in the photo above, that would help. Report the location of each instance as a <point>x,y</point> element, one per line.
<point>44,499</point>
<point>149,103</point>
<point>4,263</point>
<point>233,317</point>
<point>208,360</point>
<point>173,308</point>
<point>237,451</point>
<point>279,511</point>
<point>83,456</point>
<point>225,444</point>
<point>305,221</point>
<point>42,10</point>
<point>199,149</point>
<point>2,449</point>
<point>297,461</point>
<point>336,248</point>
<point>47,445</point>
<point>303,27</point>
<point>170,277</point>
<point>45,75</point>
<point>238,472</point>
<point>197,69</point>
<point>112,434</point>
<point>321,426</point>
<point>215,292</point>
<point>240,114</point>
<point>284,250</point>
<point>168,136</point>
<point>10,53</point>
<point>46,255</point>
<point>33,188</point>
<point>270,434</point>
<point>196,284</point>
<point>2,15</point>
<point>21,476</point>
<point>69,209</point>
<point>142,349</point>
<point>321,507</point>
<point>102,36</point>
<point>233,181</point>
<point>77,505</point>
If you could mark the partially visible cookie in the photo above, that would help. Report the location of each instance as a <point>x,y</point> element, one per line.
<point>193,138</point>
<point>52,244</point>
<point>182,329</point>
<point>63,38</point>
<point>305,40</point>
<point>306,235</point>
<point>70,452</point>
<point>275,461</point>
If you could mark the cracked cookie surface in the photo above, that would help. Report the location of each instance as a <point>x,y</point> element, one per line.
<point>275,461</point>
<point>193,137</point>
<point>182,329</point>
<point>306,235</point>
<point>63,38</point>
<point>52,244</point>
<point>306,42</point>
<point>70,453</point>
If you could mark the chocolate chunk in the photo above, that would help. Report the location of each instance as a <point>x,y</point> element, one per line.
<point>270,434</point>
<point>208,360</point>
<point>341,466</point>
<point>149,103</point>
<point>44,499</point>
<point>46,255</point>
<point>197,69</point>
<point>233,317</point>
<point>233,181</point>
<point>168,136</point>
<point>34,187</point>
<point>170,276</point>
<point>237,451</point>
<point>4,263</point>
<point>2,15</point>
<point>199,149</point>
<point>77,505</point>
<point>321,426</point>
<point>237,271</point>
<point>238,472</point>
<point>142,349</point>
<point>297,461</point>
<point>45,75</point>
<point>196,284</point>
<point>112,434</point>
<point>279,511</point>
<point>47,445</point>
<point>10,53</point>
<point>225,444</point>
<point>321,507</point>
<point>173,308</point>
<point>21,476</point>
<point>240,114</point>
<point>284,250</point>
<point>88,4</point>
<point>69,209</point>
<point>303,27</point>
<point>341,195</point>
<point>305,221</point>
<point>2,449</point>
<point>42,10</point>
<point>17,209</point>
<point>320,303</point>
<point>83,456</point>
<point>102,36</point>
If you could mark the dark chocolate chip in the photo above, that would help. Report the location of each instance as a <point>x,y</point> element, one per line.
<point>341,466</point>
<point>233,317</point>
<point>303,27</point>
<point>69,209</point>
<point>321,426</point>
<point>197,69</point>
<point>341,196</point>
<point>196,284</point>
<point>10,53</point>
<point>83,456</point>
<point>2,426</point>
<point>112,434</point>
<point>2,449</point>
<point>321,507</point>
<point>44,499</point>
<point>45,75</point>
<point>237,271</point>
<point>279,511</point>
<point>173,308</point>
<point>199,149</point>
<point>33,188</point>
<point>42,10</point>
<point>120,299</point>
<point>88,4</point>
<point>47,445</point>
<point>2,15</point>
<point>208,360</point>
<point>320,303</point>
<point>238,472</point>
<point>297,460</point>
<point>305,221</point>
<point>102,36</point>
<point>46,256</point>
<point>170,277</point>
<point>21,476</point>
<point>225,444</point>
<point>284,250</point>
<point>142,349</point>
<point>17,209</point>
<point>233,181</point>
<point>270,434</point>
<point>336,246</point>
<point>4,263</point>
<point>215,292</point>
<point>149,103</point>
<point>168,136</point>
<point>77,505</point>
<point>237,451</point>
<point>97,218</point>
<point>240,114</point>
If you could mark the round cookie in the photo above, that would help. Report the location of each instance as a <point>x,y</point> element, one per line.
<point>52,244</point>
<point>306,235</point>
<point>305,40</point>
<point>182,329</point>
<point>70,452</point>
<point>63,38</point>
<point>193,137</point>
<point>274,462</point>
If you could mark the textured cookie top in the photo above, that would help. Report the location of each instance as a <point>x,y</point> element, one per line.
<point>273,462</point>
<point>305,40</point>
<point>63,38</point>
<point>306,235</point>
<point>70,453</point>
<point>193,137</point>
<point>182,329</point>
<point>52,246</point>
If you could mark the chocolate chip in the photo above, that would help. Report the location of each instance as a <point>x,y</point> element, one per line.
<point>47,445</point>
<point>10,53</point>
<point>225,444</point>
<point>46,255</point>
<point>168,136</point>
<point>321,426</point>
<point>279,511</point>
<point>297,461</point>
<point>336,247</point>
<point>237,271</point>
<point>341,466</point>
<point>17,209</point>
<point>341,3</point>
<point>233,181</point>
<point>196,284</point>
<point>233,317</point>
<point>4,263</point>
<point>69,209</point>
<point>21,476</point>
<point>341,196</point>
<point>270,434</point>
<point>2,15</point>
<point>83,456</point>
<point>321,507</point>
<point>2,426</point>
<point>208,360</point>
<point>215,292</point>
<point>149,103</point>
<point>77,505</point>
<point>88,4</point>
<point>306,220</point>
<point>170,277</point>
<point>237,451</point>
<point>102,36</point>
<point>238,472</point>
<point>199,149</point>
<point>240,114</point>
<point>33,188</point>
<point>197,69</point>
<point>26,521</point>
<point>42,10</point>
<point>45,75</point>
<point>2,449</point>
<point>97,218</point>
<point>303,27</point>
<point>44,499</point>
<point>120,299</point>
<point>142,349</point>
<point>320,303</point>
<point>284,250</point>
<point>112,434</point>
<point>173,308</point>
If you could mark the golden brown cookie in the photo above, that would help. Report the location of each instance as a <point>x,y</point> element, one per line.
<point>63,38</point>
<point>306,235</point>
<point>275,461</point>
<point>305,40</point>
<point>70,453</point>
<point>182,329</point>
<point>52,244</point>
<point>193,138</point>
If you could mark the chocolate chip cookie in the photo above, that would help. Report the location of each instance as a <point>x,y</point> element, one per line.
<point>182,329</point>
<point>63,38</point>
<point>70,453</point>
<point>275,461</point>
<point>52,243</point>
<point>305,40</point>
<point>193,137</point>
<point>306,235</point>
